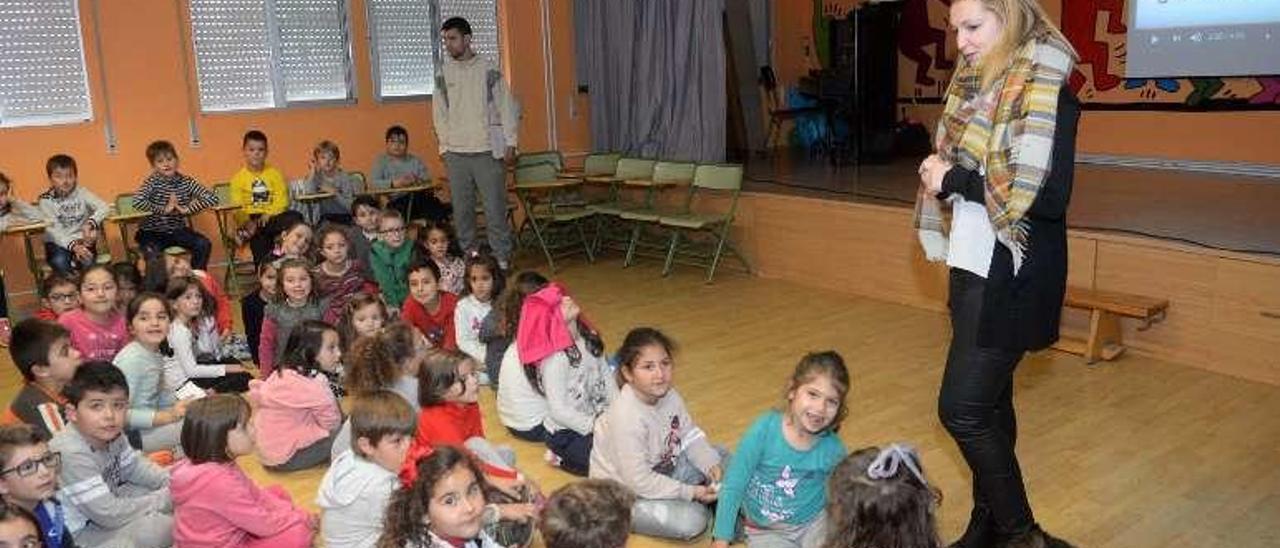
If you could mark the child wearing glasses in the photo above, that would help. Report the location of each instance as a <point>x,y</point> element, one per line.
<point>29,478</point>
<point>390,257</point>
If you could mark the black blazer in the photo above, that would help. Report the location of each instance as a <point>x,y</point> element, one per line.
<point>1023,312</point>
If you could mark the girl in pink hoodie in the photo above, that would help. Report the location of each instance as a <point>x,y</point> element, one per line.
<point>297,413</point>
<point>214,503</point>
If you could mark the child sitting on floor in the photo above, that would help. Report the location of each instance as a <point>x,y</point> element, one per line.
<point>879,497</point>
<point>298,414</point>
<point>43,354</point>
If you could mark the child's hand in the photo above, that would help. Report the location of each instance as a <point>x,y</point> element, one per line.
<point>715,474</point>
<point>705,494</point>
<point>180,408</point>
<point>172,205</point>
<point>89,232</point>
<point>517,512</point>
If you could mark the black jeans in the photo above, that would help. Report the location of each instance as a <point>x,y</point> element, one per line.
<point>153,245</point>
<point>975,405</point>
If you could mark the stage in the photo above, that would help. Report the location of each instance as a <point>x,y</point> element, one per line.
<point>1233,213</point>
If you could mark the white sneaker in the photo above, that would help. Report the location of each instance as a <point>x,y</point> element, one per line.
<point>551,458</point>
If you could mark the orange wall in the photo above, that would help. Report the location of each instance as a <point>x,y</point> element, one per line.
<point>1216,136</point>
<point>143,63</point>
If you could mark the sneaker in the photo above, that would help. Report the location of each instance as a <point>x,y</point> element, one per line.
<point>551,458</point>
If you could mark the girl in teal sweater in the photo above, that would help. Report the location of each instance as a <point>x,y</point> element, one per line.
<point>777,479</point>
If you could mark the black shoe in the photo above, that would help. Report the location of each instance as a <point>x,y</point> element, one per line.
<point>1036,538</point>
<point>980,533</point>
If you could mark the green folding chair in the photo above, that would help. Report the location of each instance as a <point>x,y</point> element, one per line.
<point>541,157</point>
<point>125,217</point>
<point>552,222</point>
<point>705,229</point>
<point>646,215</point>
<point>633,172</point>
<point>237,268</point>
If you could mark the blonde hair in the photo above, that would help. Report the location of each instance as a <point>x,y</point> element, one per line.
<point>1024,21</point>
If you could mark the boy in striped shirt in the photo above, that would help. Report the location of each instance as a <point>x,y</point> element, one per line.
<point>171,197</point>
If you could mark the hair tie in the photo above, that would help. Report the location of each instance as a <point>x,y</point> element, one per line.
<point>409,471</point>
<point>886,463</point>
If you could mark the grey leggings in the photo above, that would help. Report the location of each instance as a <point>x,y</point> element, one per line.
<point>671,518</point>
<point>307,457</point>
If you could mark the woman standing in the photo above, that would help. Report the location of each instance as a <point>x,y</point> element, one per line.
<point>1005,152</point>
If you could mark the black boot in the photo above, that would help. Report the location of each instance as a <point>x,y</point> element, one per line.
<point>1035,538</point>
<point>980,533</point>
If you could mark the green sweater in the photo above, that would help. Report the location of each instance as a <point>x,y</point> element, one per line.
<point>391,270</point>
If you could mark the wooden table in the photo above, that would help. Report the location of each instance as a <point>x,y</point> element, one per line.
<point>123,220</point>
<point>29,231</point>
<point>310,201</point>
<point>382,194</point>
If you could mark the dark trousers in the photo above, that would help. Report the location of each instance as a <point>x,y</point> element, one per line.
<point>425,206</point>
<point>153,244</point>
<point>537,433</point>
<point>975,405</point>
<point>62,260</point>
<point>231,383</point>
<point>574,450</point>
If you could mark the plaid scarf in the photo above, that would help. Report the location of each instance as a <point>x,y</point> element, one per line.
<point>1004,132</point>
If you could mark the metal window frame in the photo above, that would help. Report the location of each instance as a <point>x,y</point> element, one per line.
<point>433,8</point>
<point>279,94</point>
<point>62,119</point>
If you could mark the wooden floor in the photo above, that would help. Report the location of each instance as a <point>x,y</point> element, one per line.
<point>1132,453</point>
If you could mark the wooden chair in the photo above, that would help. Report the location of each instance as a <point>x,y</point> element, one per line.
<point>551,222</point>
<point>1105,308</point>
<point>541,157</point>
<point>695,222</point>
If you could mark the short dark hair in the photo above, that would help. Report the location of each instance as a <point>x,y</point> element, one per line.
<point>14,436</point>
<point>594,513</point>
<point>54,280</point>
<point>423,262</point>
<point>94,376</point>
<point>10,511</point>
<point>378,414</point>
<point>397,131</point>
<point>207,423</point>
<point>158,148</point>
<point>60,161</point>
<point>32,339</point>
<point>457,23</point>
<point>253,135</point>
<point>127,272</point>
<point>364,200</point>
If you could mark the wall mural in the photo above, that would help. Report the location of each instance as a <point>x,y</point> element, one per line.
<point>1097,30</point>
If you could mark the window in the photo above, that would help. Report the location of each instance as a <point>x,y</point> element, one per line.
<point>406,44</point>
<point>42,71</point>
<point>254,54</point>
<point>403,40</point>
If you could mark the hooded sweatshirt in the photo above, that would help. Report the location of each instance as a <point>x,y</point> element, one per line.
<point>216,505</point>
<point>293,412</point>
<point>353,497</point>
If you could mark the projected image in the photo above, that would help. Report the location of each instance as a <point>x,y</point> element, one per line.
<point>1203,38</point>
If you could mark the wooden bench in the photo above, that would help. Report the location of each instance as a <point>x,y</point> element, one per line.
<point>1106,308</point>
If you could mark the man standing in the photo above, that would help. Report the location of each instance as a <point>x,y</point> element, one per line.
<point>475,122</point>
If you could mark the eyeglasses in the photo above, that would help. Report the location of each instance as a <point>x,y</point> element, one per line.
<point>55,297</point>
<point>51,460</point>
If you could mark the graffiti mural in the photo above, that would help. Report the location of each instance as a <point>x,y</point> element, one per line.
<point>1097,30</point>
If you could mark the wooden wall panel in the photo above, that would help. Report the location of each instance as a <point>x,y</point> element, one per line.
<point>1224,312</point>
